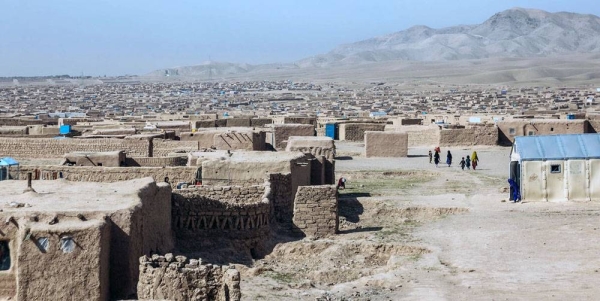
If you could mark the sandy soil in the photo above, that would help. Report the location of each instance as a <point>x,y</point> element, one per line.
<point>410,231</point>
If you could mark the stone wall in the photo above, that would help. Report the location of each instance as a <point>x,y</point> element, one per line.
<point>178,278</point>
<point>476,135</point>
<point>105,174</point>
<point>240,214</point>
<point>27,148</point>
<point>356,131</point>
<point>162,147</point>
<point>386,144</point>
<point>316,211</point>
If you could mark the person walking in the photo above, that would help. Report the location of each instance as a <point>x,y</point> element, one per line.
<point>474,160</point>
<point>436,159</point>
<point>430,157</point>
<point>463,163</point>
<point>468,162</point>
<point>449,159</point>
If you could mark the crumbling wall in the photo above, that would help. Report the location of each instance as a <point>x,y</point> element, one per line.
<point>162,147</point>
<point>178,278</point>
<point>105,174</point>
<point>386,144</point>
<point>316,211</point>
<point>240,214</point>
<point>476,135</point>
<point>282,198</point>
<point>322,149</point>
<point>356,131</point>
<point>27,148</point>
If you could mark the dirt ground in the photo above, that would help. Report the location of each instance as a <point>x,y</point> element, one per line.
<point>410,231</point>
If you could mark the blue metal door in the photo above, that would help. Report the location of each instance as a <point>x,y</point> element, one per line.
<point>330,130</point>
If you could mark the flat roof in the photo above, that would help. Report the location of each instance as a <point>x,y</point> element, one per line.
<point>63,195</point>
<point>557,147</point>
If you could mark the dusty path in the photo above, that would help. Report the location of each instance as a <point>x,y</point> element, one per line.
<point>410,231</point>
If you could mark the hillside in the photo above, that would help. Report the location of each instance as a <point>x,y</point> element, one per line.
<point>515,36</point>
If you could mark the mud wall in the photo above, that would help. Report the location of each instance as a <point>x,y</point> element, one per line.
<point>24,121</point>
<point>323,150</point>
<point>316,211</point>
<point>476,135</point>
<point>282,132</point>
<point>240,214</point>
<point>282,198</point>
<point>386,144</point>
<point>510,129</point>
<point>22,148</point>
<point>105,174</point>
<point>53,274</point>
<point>239,141</point>
<point>162,147</point>
<point>178,278</point>
<point>156,162</point>
<point>356,131</point>
<point>419,135</point>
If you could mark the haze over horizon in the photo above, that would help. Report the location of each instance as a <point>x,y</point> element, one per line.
<point>135,37</point>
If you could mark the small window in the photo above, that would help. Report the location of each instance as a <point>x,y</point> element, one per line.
<point>67,245</point>
<point>99,164</point>
<point>531,133</point>
<point>4,256</point>
<point>555,168</point>
<point>43,243</point>
<point>512,131</point>
<point>551,129</point>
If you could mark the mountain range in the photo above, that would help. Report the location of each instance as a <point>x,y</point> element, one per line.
<point>511,34</point>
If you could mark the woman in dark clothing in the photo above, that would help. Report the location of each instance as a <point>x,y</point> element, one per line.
<point>436,158</point>
<point>449,159</point>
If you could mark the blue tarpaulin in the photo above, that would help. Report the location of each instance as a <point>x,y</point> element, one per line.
<point>557,147</point>
<point>8,161</point>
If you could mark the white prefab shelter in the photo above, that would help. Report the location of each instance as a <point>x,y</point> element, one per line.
<point>557,168</point>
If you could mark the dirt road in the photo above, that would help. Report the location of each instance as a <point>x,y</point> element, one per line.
<point>410,231</point>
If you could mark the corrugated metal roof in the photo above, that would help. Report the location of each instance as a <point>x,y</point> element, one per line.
<point>558,147</point>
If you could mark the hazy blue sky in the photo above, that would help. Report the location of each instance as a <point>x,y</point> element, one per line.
<point>45,37</point>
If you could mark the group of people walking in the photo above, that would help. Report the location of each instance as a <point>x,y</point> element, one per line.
<point>472,160</point>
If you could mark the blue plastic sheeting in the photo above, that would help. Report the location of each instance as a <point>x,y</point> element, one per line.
<point>8,161</point>
<point>558,147</point>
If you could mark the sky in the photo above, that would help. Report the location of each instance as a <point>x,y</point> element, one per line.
<point>51,37</point>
